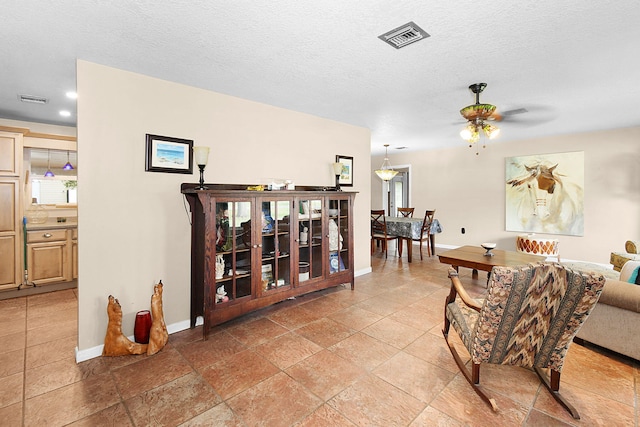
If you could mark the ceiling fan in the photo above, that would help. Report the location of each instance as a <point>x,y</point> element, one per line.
<point>478,116</point>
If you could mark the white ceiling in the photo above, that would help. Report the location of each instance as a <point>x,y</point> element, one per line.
<point>573,65</point>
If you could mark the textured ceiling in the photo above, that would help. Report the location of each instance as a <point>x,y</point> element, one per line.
<point>573,64</point>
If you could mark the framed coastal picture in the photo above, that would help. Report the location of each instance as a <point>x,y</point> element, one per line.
<point>167,154</point>
<point>346,177</point>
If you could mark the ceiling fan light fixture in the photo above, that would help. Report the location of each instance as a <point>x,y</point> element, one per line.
<point>490,131</point>
<point>476,114</point>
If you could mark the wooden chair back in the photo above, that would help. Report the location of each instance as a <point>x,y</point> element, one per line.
<point>378,223</point>
<point>426,223</point>
<point>406,212</point>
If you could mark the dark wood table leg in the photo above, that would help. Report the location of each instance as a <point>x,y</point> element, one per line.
<point>474,274</point>
<point>399,243</point>
<point>409,249</point>
<point>432,241</point>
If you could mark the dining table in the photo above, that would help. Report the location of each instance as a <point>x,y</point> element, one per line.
<point>409,229</point>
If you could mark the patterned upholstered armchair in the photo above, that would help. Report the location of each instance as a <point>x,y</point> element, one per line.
<point>632,253</point>
<point>529,318</point>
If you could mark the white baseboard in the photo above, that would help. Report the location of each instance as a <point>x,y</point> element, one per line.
<point>93,352</point>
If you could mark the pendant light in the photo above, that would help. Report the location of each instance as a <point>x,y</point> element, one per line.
<point>68,166</point>
<point>48,173</point>
<point>386,173</point>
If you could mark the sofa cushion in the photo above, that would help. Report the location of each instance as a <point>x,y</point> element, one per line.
<point>621,294</point>
<point>635,276</point>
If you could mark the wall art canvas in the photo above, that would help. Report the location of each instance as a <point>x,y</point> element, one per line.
<point>545,193</point>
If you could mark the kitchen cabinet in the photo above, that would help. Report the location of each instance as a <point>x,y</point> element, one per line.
<point>251,249</point>
<point>50,255</point>
<point>11,249</point>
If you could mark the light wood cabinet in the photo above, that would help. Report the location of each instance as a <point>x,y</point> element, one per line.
<point>11,265</point>
<point>50,255</point>
<point>247,250</point>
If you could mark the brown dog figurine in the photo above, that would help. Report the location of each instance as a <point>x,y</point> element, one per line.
<point>115,342</point>
<point>158,336</point>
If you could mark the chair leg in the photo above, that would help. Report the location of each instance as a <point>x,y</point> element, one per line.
<point>554,386</point>
<point>473,378</point>
<point>420,249</point>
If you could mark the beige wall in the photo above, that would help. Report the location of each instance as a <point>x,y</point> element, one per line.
<point>469,191</point>
<point>133,226</point>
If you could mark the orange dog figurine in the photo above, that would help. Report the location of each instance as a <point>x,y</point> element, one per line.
<point>158,336</point>
<point>115,342</point>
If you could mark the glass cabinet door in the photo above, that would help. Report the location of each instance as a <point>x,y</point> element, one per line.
<point>310,239</point>
<point>338,222</point>
<point>276,244</point>
<point>233,250</point>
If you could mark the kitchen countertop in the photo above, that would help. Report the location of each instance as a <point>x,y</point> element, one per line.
<point>52,224</point>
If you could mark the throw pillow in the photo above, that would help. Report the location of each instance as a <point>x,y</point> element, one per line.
<point>635,276</point>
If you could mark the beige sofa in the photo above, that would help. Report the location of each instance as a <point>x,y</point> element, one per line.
<point>614,322</point>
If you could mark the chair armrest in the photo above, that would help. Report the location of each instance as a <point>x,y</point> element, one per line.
<point>632,246</point>
<point>456,287</point>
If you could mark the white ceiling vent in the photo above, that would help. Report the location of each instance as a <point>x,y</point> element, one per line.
<point>33,99</point>
<point>404,35</point>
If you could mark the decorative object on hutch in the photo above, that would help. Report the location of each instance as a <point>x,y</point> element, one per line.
<point>257,234</point>
<point>337,170</point>
<point>202,157</point>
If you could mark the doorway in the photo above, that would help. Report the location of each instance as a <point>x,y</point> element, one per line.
<point>396,194</point>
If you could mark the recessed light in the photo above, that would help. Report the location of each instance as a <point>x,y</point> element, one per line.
<point>72,95</point>
<point>65,113</point>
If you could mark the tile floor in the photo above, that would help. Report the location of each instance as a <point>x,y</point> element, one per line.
<point>370,357</point>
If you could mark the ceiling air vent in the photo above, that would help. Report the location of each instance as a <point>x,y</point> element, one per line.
<point>404,35</point>
<point>33,99</point>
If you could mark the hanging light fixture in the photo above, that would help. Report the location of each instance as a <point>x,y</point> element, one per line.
<point>386,172</point>
<point>48,173</point>
<point>477,114</point>
<point>68,166</point>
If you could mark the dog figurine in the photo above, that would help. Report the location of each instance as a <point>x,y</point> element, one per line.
<point>115,342</point>
<point>158,336</point>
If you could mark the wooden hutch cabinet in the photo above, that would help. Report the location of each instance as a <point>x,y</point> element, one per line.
<point>251,249</point>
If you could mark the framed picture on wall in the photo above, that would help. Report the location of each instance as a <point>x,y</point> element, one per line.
<point>167,154</point>
<point>346,177</point>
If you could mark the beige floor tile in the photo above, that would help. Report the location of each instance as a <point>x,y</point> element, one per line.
<point>257,332</point>
<point>51,351</point>
<point>219,415</point>
<point>11,415</point>
<point>269,403</point>
<point>11,389</point>
<point>355,317</point>
<point>149,373</point>
<point>52,376</point>
<point>326,374</point>
<point>115,416</point>
<point>416,377</point>
<point>325,416</point>
<point>373,402</point>
<point>233,375</point>
<point>393,333</point>
<point>72,402</point>
<point>287,350</point>
<point>325,332</point>
<point>364,350</point>
<point>217,347</point>
<point>11,362</point>
<point>172,403</point>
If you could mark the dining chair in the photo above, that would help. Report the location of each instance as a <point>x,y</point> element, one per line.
<point>425,232</point>
<point>406,212</point>
<point>379,231</point>
<point>528,318</point>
